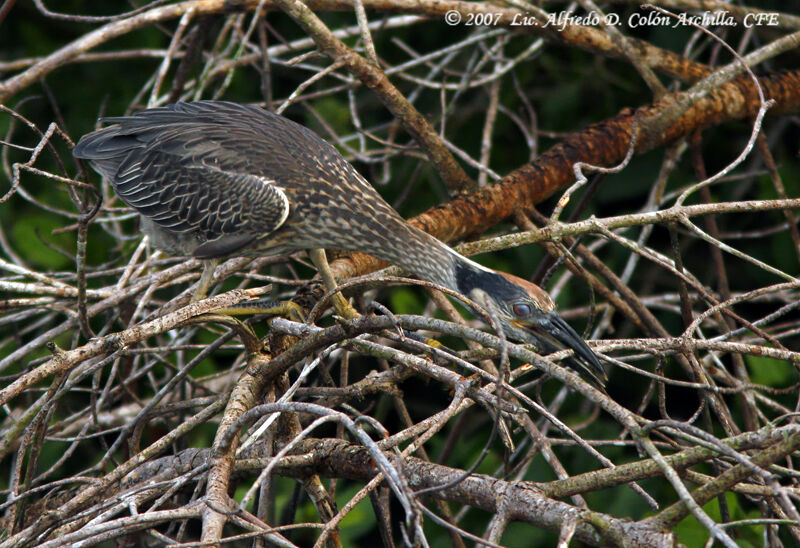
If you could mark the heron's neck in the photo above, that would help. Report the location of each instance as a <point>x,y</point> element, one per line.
<point>434,261</point>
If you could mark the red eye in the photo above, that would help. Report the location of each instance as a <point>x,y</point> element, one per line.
<point>522,310</point>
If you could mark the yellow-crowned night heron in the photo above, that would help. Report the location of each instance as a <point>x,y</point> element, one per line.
<point>214,179</point>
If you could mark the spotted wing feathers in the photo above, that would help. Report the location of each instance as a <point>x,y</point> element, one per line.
<point>187,175</point>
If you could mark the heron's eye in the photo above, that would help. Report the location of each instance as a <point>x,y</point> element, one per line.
<point>522,310</point>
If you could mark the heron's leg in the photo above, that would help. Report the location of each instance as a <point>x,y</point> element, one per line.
<point>339,302</point>
<point>271,307</point>
<point>206,277</point>
<point>257,306</point>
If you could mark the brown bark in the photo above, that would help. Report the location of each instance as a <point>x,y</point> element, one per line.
<point>602,144</point>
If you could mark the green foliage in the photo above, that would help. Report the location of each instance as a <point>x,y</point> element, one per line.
<point>405,301</point>
<point>335,114</point>
<point>31,233</point>
<point>771,372</point>
<point>360,521</point>
<point>692,533</point>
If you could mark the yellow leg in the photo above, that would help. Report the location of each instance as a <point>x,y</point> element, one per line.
<point>206,278</point>
<point>287,309</point>
<point>339,302</point>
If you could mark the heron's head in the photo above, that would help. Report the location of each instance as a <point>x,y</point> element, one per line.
<point>528,315</point>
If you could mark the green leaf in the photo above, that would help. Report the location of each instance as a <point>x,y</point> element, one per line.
<point>27,234</point>
<point>770,372</point>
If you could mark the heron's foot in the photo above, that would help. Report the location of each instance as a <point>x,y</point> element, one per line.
<point>343,307</point>
<point>433,343</point>
<point>288,309</point>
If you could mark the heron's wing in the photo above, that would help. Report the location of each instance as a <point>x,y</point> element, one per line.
<point>188,175</point>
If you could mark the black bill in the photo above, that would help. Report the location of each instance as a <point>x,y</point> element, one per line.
<point>556,334</point>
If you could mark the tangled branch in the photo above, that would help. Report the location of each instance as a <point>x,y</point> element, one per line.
<point>132,412</point>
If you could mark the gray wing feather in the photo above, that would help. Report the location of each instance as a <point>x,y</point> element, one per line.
<point>215,169</point>
<point>185,173</point>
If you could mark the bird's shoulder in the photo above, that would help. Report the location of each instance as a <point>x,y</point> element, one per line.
<point>230,137</point>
